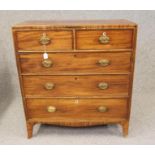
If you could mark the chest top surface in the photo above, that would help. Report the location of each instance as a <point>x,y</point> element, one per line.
<point>118,23</point>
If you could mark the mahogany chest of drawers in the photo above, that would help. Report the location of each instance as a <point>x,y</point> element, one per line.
<point>76,73</point>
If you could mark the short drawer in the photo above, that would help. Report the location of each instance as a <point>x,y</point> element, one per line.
<point>104,39</point>
<point>51,86</point>
<point>65,63</point>
<point>35,40</point>
<point>59,109</point>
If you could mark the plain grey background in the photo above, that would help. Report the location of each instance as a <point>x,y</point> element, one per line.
<point>142,124</point>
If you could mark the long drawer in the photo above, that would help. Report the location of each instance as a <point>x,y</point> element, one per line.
<point>76,108</point>
<point>66,63</point>
<point>51,86</point>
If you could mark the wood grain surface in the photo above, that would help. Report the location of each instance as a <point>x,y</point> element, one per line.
<point>75,85</point>
<point>89,39</point>
<point>76,63</point>
<point>60,40</point>
<point>77,108</point>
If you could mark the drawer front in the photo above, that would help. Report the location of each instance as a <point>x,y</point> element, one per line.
<point>54,40</point>
<point>61,63</point>
<point>104,39</point>
<point>49,86</point>
<point>76,108</point>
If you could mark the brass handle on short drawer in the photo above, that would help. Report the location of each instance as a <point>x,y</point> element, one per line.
<point>104,39</point>
<point>103,85</point>
<point>47,63</point>
<point>104,62</point>
<point>51,109</point>
<point>49,86</point>
<point>44,40</point>
<point>102,109</point>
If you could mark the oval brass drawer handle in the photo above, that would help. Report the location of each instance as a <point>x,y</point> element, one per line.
<point>102,109</point>
<point>51,109</point>
<point>103,85</point>
<point>44,40</point>
<point>47,63</point>
<point>49,86</point>
<point>104,62</point>
<point>104,39</point>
